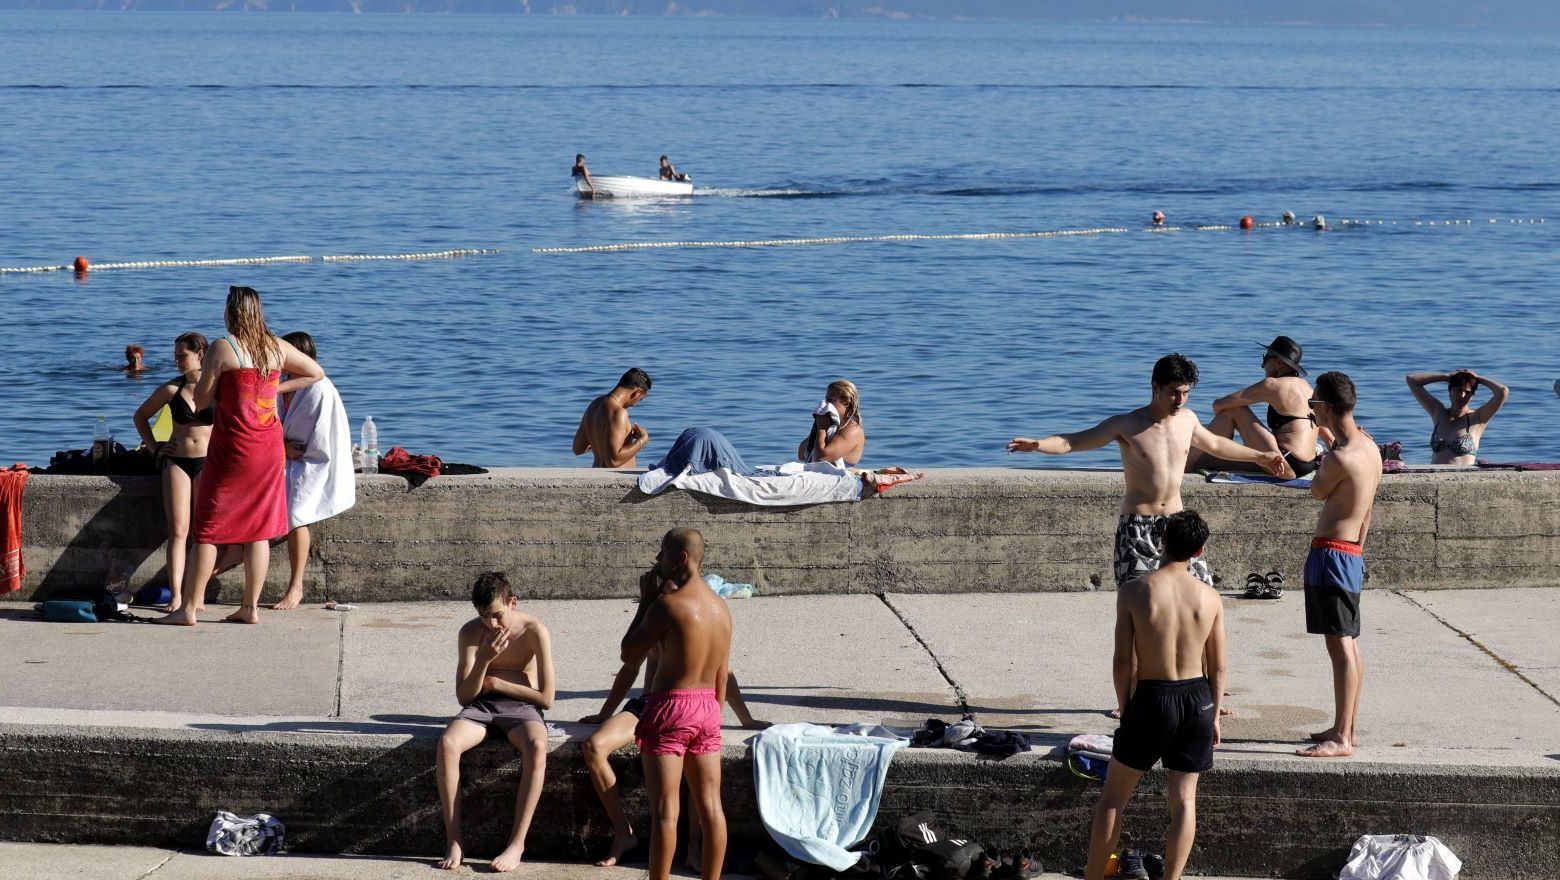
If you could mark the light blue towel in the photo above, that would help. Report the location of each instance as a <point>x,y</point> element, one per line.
<point>818,788</point>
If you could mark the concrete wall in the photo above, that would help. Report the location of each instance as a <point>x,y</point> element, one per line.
<point>365,792</point>
<point>587,534</point>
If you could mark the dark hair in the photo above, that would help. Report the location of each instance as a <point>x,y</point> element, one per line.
<point>1462,377</point>
<point>635,378</point>
<point>578,158</point>
<point>1185,535</point>
<point>192,341</point>
<point>1175,369</point>
<point>663,157</point>
<point>301,341</point>
<point>1337,391</point>
<point>685,540</point>
<point>490,586</point>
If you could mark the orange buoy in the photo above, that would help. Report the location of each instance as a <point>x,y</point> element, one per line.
<point>81,264</point>
<point>1246,222</point>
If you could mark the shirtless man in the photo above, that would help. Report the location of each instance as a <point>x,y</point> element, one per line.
<point>1173,625</point>
<point>683,620</point>
<point>605,429</point>
<point>1155,441</point>
<point>504,680</point>
<point>1335,570</point>
<point>1291,428</point>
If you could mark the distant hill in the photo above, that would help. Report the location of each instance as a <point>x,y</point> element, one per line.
<point>1392,13</point>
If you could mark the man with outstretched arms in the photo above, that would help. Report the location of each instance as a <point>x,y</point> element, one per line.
<point>1155,441</point>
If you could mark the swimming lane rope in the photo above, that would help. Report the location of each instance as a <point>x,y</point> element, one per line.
<point>980,236</point>
<point>252,261</point>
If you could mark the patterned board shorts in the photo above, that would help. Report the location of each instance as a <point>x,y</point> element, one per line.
<point>1140,541</point>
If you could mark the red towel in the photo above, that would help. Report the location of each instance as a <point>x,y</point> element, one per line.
<point>399,461</point>
<point>12,483</point>
<point>243,486</point>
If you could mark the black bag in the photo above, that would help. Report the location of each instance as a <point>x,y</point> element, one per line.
<point>918,849</point>
<point>105,608</point>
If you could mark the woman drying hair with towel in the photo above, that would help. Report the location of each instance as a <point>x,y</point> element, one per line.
<point>837,434</point>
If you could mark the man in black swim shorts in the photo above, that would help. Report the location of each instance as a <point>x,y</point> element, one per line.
<point>1173,624</point>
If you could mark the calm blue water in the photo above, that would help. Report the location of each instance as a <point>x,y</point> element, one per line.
<point>147,136</point>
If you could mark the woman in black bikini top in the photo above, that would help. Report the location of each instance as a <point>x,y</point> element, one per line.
<point>183,453</point>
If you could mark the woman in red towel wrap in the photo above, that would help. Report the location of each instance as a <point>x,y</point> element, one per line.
<point>242,497</point>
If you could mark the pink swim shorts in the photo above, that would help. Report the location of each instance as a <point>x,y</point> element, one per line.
<point>679,722</point>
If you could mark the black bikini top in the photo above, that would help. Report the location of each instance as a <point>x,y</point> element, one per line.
<point>183,413</point>
<point>1276,419</point>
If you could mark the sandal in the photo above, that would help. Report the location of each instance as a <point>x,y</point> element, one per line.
<point>1274,585</point>
<point>1256,586</point>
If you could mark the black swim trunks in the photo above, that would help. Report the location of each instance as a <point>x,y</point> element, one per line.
<point>503,713</point>
<point>1170,721</point>
<point>635,707</point>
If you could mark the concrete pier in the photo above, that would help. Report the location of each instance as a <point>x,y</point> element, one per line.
<point>580,534</point>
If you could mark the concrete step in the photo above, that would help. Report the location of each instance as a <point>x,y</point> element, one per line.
<point>123,734</point>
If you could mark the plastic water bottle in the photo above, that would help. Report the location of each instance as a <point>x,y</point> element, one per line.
<point>370,446</point>
<point>102,443</point>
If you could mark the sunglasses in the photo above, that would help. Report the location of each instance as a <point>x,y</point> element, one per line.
<point>1313,402</point>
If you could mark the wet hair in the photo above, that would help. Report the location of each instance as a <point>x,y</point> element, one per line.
<point>490,586</point>
<point>245,319</point>
<point>847,389</point>
<point>1462,377</point>
<point>301,341</point>
<point>132,350</point>
<point>1175,369</point>
<point>1185,535</point>
<point>191,341</point>
<point>1337,391</point>
<point>635,378</point>
<point>684,539</point>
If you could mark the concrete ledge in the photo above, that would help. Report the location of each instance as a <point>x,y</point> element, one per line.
<point>374,793</point>
<point>587,534</point>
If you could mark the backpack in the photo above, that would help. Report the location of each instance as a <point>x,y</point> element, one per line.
<point>918,849</point>
<point>83,606</point>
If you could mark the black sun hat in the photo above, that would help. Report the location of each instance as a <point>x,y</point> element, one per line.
<point>1288,351</point>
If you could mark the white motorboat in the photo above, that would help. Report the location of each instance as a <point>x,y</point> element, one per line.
<point>632,187</point>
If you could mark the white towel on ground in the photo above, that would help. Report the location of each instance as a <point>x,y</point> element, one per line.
<point>791,483</point>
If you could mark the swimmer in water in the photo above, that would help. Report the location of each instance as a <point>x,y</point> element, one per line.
<point>1158,219</point>
<point>133,365</point>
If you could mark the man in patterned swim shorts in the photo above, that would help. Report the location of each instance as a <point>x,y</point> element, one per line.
<point>1155,441</point>
<point>679,734</point>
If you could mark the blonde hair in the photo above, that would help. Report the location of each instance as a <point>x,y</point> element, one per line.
<point>245,320</point>
<point>847,389</point>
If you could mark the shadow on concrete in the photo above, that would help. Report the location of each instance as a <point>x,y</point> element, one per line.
<point>101,548</point>
<point>404,725</point>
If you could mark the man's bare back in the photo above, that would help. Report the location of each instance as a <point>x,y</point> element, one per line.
<point>1172,614</point>
<point>606,431</point>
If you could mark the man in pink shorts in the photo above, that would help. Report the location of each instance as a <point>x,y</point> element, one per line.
<point>679,734</point>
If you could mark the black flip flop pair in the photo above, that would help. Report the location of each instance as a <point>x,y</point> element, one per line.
<point>1265,586</point>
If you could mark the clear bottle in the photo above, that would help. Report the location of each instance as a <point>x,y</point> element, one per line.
<point>370,446</point>
<point>102,443</point>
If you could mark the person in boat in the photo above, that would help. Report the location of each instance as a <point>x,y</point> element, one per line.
<point>1291,428</point>
<point>1457,429</point>
<point>668,172</point>
<point>580,172</point>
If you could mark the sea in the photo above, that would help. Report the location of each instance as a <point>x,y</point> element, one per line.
<point>137,136</point>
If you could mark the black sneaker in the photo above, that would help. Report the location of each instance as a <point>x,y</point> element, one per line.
<point>1155,864</point>
<point>1131,866</point>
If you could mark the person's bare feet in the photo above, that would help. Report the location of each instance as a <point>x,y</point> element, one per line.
<point>1327,748</point>
<point>452,858</point>
<point>1225,711</point>
<point>509,859</point>
<point>1114,713</point>
<point>621,844</point>
<point>290,600</point>
<point>244,614</point>
<point>181,617</point>
<point>1328,734</point>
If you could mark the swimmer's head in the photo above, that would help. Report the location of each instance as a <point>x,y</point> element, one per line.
<point>1174,377</point>
<point>1185,535</point>
<point>493,597</point>
<point>1159,218</point>
<point>133,355</point>
<point>1289,218</point>
<point>1318,222</point>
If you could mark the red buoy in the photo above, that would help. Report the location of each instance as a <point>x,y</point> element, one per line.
<point>1246,222</point>
<point>81,264</point>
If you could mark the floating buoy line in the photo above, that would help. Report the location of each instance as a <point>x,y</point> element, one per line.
<point>990,236</point>
<point>81,265</point>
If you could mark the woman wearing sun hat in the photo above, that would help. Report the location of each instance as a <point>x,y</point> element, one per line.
<point>1289,428</point>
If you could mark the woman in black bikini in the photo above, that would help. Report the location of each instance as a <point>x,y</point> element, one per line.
<point>1457,429</point>
<point>184,453</point>
<point>1289,427</point>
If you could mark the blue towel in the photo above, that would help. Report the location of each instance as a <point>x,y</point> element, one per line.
<point>704,450</point>
<point>818,789</point>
